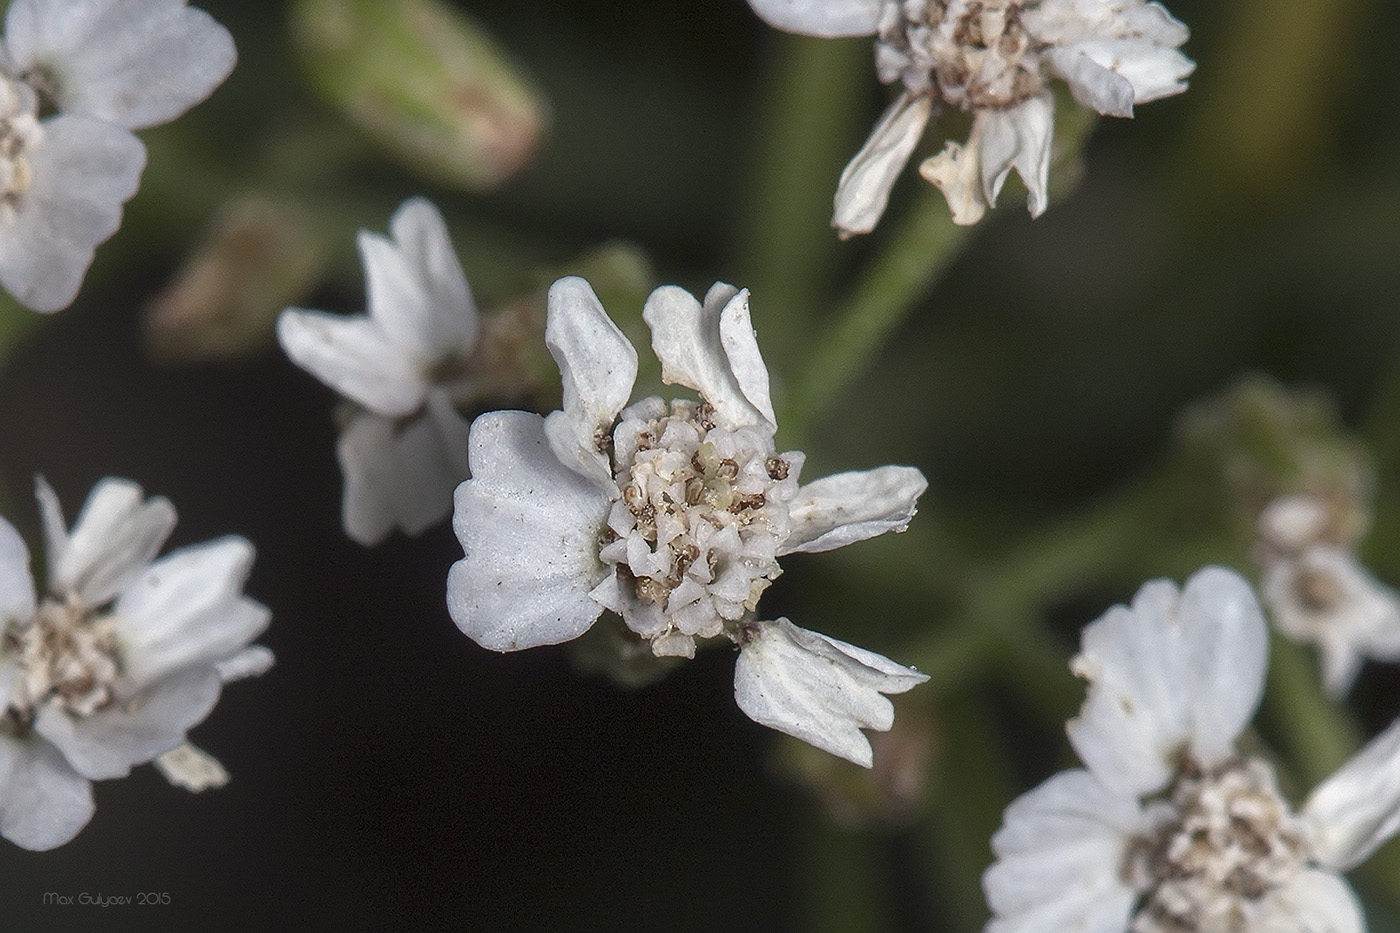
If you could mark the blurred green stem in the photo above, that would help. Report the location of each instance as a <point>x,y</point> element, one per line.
<point>839,879</point>
<point>816,94</point>
<point>918,250</point>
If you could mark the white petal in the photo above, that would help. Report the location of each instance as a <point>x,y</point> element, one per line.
<point>400,475</point>
<point>530,528</point>
<point>1095,86</point>
<point>16,582</point>
<point>957,172</point>
<point>253,661</point>
<point>1018,138</point>
<point>116,536</point>
<point>427,475</point>
<point>352,355</point>
<point>818,689</point>
<point>134,63</point>
<point>1060,853</point>
<point>1177,672</point>
<point>43,801</point>
<point>83,171</point>
<point>109,742</point>
<point>598,366</point>
<point>191,768</point>
<point>188,608</point>
<point>1358,808</point>
<point>416,289</point>
<point>839,510</point>
<point>368,463</point>
<point>864,187</point>
<point>1312,902</point>
<point>827,18</point>
<point>711,348</point>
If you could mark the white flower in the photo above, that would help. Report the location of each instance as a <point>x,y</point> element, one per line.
<point>1318,592</point>
<point>672,514</point>
<point>401,366</point>
<point>117,660</point>
<point>105,67</point>
<point>1169,827</point>
<point>993,59</point>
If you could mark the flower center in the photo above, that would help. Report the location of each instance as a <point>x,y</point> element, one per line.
<point>67,655</point>
<point>19,133</point>
<point>702,513</point>
<point>1226,841</point>
<point>973,54</point>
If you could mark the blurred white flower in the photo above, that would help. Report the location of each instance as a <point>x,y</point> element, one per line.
<point>117,660</point>
<point>76,76</point>
<point>1318,592</point>
<point>993,59</point>
<point>401,367</point>
<point>1169,827</point>
<point>672,514</point>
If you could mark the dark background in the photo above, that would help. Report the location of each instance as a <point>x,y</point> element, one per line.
<point>388,773</point>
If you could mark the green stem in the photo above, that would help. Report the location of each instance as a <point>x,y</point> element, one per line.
<point>923,245</point>
<point>817,93</point>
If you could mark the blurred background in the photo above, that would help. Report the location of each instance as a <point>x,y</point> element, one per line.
<point>388,773</point>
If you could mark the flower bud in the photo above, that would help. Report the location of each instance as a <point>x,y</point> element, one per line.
<point>426,82</point>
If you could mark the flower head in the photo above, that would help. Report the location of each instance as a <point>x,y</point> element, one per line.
<point>76,76</point>
<point>1317,590</point>
<point>401,368</point>
<point>671,514</point>
<point>993,59</point>
<point>120,656</point>
<point>1169,826</point>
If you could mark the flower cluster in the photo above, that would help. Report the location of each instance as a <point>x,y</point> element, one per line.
<point>402,368</point>
<point>113,663</point>
<point>993,59</point>
<point>671,514</point>
<point>75,80</point>
<point>1169,826</point>
<point>1318,592</point>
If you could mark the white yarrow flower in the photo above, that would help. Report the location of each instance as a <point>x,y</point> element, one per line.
<point>671,514</point>
<point>993,59</point>
<point>117,660</point>
<point>402,368</point>
<point>1318,592</point>
<point>1168,827</point>
<point>104,67</point>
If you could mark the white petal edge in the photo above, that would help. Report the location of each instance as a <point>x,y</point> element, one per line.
<point>1059,856</point>
<point>598,366</point>
<point>1021,138</point>
<point>16,581</point>
<point>864,188</point>
<point>1178,671</point>
<point>415,286</point>
<point>818,689</point>
<point>1313,901</point>
<point>1357,809</point>
<point>117,534</point>
<point>186,609</point>
<point>529,527</point>
<point>712,349</point>
<point>352,355</point>
<point>825,18</point>
<point>84,170</point>
<point>43,802</point>
<point>110,741</point>
<point>132,63</point>
<point>847,507</point>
